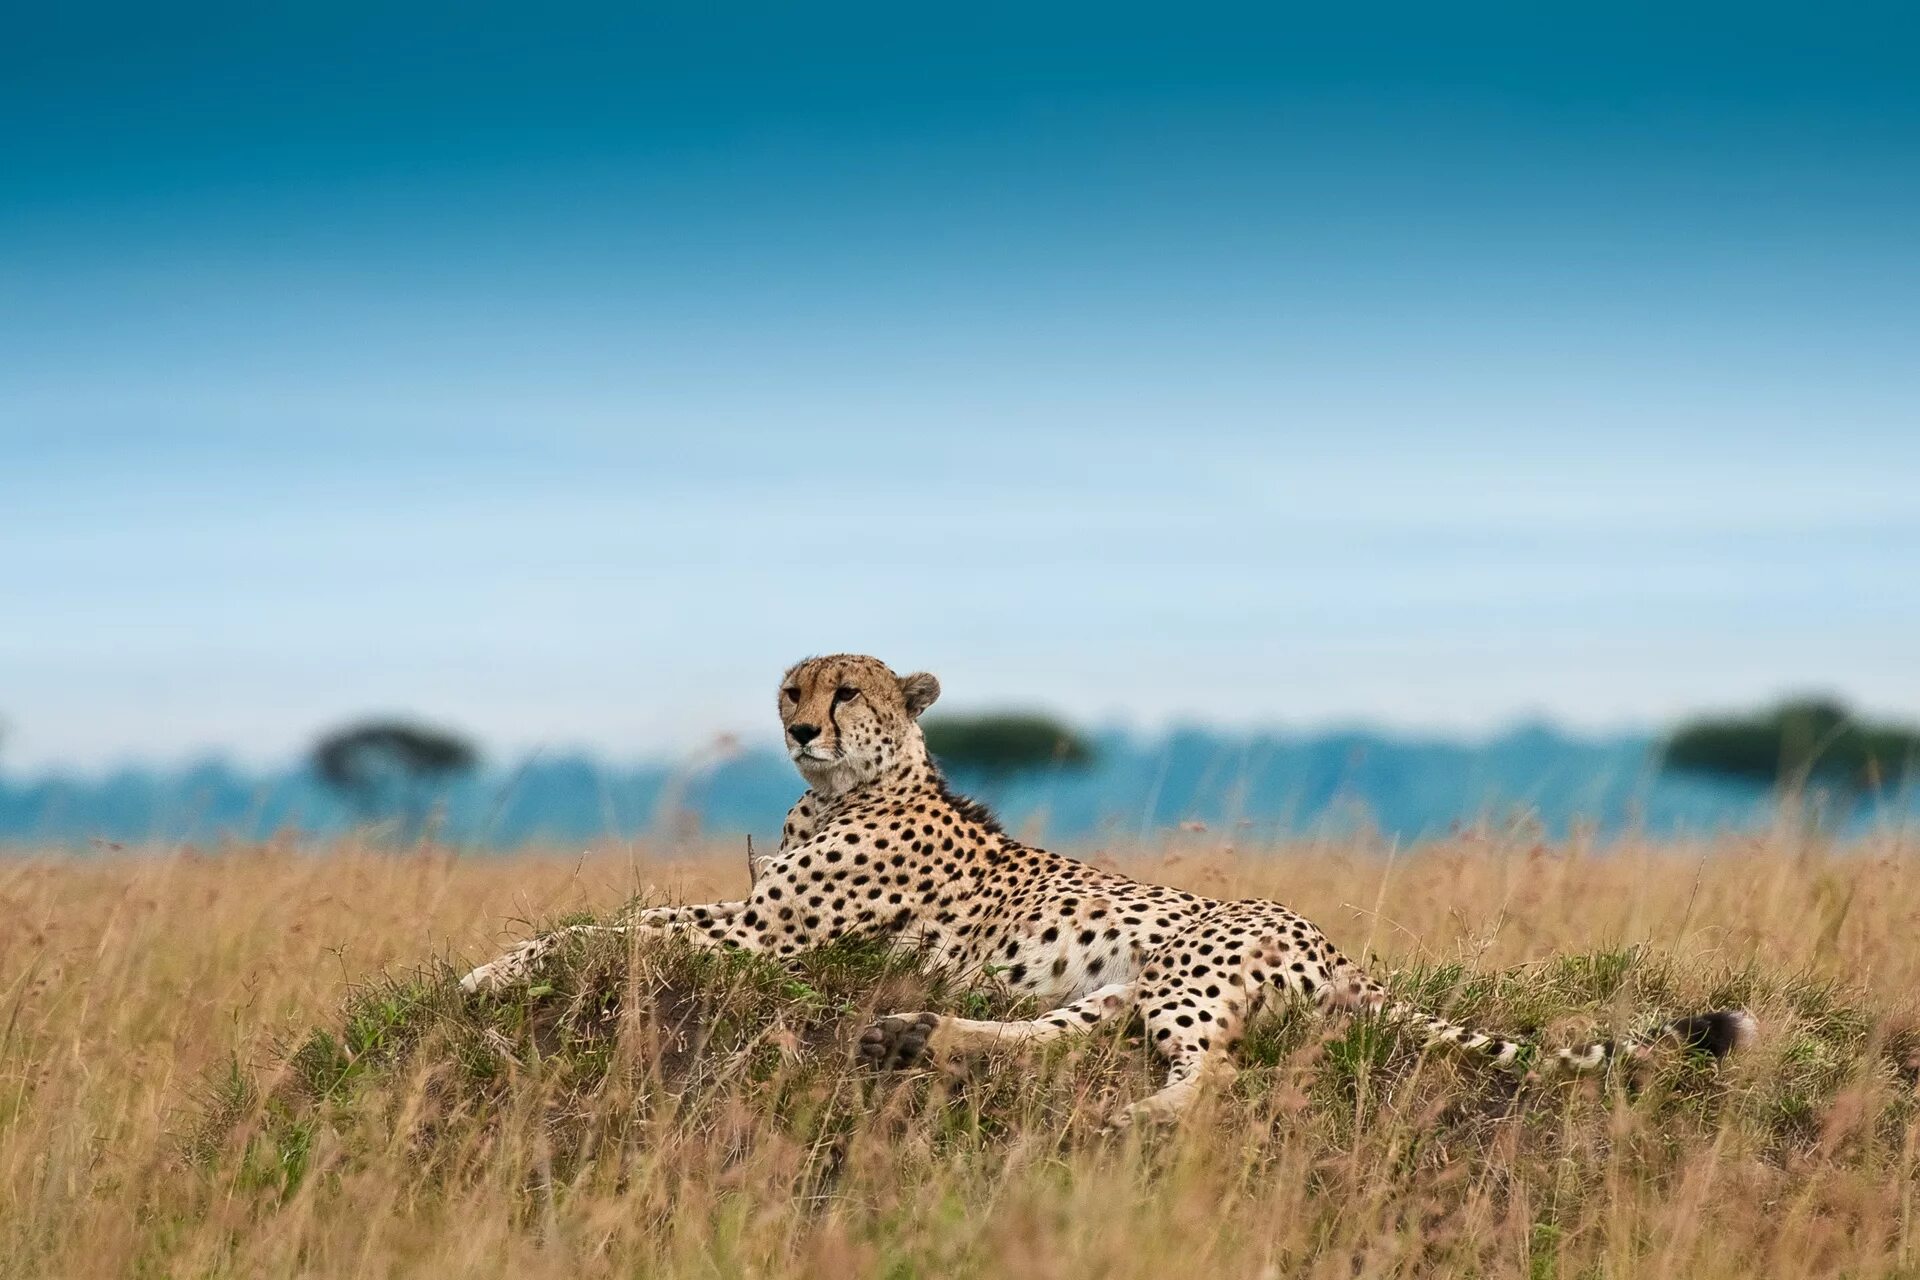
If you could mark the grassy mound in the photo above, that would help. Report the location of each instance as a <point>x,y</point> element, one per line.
<point>629,1068</point>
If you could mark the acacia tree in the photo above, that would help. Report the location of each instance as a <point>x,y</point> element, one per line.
<point>998,745</point>
<point>390,768</point>
<point>1795,745</point>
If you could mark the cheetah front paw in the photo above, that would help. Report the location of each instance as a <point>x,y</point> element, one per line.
<point>900,1041</point>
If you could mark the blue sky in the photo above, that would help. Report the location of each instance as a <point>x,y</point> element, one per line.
<point>563,377</point>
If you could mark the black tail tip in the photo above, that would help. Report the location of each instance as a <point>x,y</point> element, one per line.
<point>1718,1033</point>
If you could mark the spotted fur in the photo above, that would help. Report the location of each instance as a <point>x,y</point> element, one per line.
<point>879,845</point>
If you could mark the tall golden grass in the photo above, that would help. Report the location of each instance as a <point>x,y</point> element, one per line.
<point>154,1120</point>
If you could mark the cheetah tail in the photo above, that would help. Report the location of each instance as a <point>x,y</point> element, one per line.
<point>1717,1033</point>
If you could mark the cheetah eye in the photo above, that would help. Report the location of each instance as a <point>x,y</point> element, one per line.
<point>845,693</point>
<point>792,691</point>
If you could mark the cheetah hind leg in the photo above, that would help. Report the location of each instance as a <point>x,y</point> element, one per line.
<point>1192,1074</point>
<point>903,1039</point>
<point>1194,1021</point>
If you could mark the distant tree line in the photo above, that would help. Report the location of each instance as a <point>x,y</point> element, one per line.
<point>397,770</point>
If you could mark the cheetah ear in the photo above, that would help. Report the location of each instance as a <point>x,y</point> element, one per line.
<point>919,690</point>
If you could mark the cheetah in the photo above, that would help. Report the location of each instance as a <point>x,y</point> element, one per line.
<point>879,845</point>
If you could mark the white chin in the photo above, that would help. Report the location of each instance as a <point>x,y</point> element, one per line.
<point>822,774</point>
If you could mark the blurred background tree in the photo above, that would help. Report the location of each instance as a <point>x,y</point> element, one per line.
<point>999,745</point>
<point>392,769</point>
<point>1794,745</point>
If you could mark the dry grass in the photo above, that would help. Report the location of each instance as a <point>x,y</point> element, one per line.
<point>166,1107</point>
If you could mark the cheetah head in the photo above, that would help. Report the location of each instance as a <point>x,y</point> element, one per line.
<point>849,719</point>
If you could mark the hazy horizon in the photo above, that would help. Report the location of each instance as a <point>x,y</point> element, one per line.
<point>562,384</point>
<point>1256,786</point>
<point>498,756</point>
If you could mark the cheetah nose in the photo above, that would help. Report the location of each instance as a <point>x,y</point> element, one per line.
<point>803,733</point>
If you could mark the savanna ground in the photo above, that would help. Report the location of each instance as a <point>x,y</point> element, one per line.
<point>251,1064</point>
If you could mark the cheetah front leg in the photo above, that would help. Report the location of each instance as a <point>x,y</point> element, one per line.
<point>903,1039</point>
<point>707,925</point>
